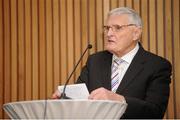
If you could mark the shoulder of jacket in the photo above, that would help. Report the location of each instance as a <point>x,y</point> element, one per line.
<point>100,54</point>
<point>157,59</point>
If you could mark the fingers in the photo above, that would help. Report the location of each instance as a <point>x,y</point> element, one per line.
<point>56,95</point>
<point>104,94</point>
<point>98,94</point>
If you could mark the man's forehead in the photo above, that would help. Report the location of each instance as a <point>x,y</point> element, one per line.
<point>118,19</point>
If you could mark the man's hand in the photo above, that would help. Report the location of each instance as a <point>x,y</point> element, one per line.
<point>56,95</point>
<point>104,94</point>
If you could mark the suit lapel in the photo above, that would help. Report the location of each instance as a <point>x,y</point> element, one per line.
<point>106,71</point>
<point>135,67</point>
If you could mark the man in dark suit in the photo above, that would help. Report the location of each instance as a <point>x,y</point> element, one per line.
<point>125,71</point>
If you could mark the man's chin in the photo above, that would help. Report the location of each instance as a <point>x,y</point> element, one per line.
<point>110,48</point>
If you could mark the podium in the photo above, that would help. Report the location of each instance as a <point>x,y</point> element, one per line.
<point>65,109</point>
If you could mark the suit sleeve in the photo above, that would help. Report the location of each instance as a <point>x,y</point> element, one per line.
<point>157,95</point>
<point>83,78</point>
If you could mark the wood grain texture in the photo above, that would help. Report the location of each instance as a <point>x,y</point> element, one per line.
<point>176,55</point>
<point>1,59</point>
<point>6,53</point>
<point>35,51</point>
<point>14,51</point>
<point>77,35</point>
<point>63,41</point>
<point>41,41</point>
<point>42,48</point>
<point>28,51</point>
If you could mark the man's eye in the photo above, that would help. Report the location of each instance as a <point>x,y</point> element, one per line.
<point>106,27</point>
<point>117,27</point>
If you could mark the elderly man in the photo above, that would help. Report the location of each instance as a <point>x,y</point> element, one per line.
<point>125,71</point>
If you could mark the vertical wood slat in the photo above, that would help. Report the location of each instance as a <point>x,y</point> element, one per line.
<point>137,6</point>
<point>106,9</point>
<point>35,51</point>
<point>92,24</point>
<point>21,50</point>
<point>41,41</point>
<point>121,3</point>
<point>99,24</point>
<point>106,6</point>
<point>113,4</point>
<point>14,51</point>
<point>49,49</point>
<point>63,42</point>
<point>77,35</point>
<point>168,53</point>
<point>176,46</point>
<point>56,44</point>
<point>28,55</point>
<point>144,16</point>
<point>129,3</point>
<point>1,59</point>
<point>42,48</point>
<point>84,27</point>
<point>152,26</point>
<point>6,57</point>
<point>160,28</point>
<point>70,41</point>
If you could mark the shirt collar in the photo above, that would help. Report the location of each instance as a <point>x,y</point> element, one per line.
<point>129,56</point>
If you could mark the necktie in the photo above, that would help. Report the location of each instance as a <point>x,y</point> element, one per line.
<point>115,75</point>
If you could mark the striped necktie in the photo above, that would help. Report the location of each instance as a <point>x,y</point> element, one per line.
<point>115,75</point>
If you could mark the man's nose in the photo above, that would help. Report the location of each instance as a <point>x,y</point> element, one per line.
<point>110,32</point>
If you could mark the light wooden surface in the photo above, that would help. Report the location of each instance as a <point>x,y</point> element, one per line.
<point>42,40</point>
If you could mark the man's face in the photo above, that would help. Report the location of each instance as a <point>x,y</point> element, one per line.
<point>120,40</point>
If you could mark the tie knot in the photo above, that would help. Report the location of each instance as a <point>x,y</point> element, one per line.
<point>118,61</point>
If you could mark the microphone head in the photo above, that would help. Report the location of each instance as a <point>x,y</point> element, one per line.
<point>89,46</point>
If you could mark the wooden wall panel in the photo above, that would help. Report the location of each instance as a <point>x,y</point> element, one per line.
<point>6,56</point>
<point>168,52</point>
<point>145,20</point>
<point>129,3</point>
<point>63,41</point>
<point>99,24</point>
<point>160,27</point>
<point>152,27</point>
<point>92,24</point>
<point>1,59</point>
<point>84,27</point>
<point>56,44</point>
<point>121,3</point>
<point>35,51</point>
<point>21,49</point>
<point>70,38</point>
<point>14,69</point>
<point>41,41</point>
<point>77,35</point>
<point>136,6</point>
<point>176,55</point>
<point>113,4</point>
<point>49,47</point>
<point>28,52</point>
<point>42,48</point>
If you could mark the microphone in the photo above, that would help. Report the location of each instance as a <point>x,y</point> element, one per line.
<point>63,94</point>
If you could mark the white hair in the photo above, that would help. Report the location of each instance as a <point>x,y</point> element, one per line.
<point>134,18</point>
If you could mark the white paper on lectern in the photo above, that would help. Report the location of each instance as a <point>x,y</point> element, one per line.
<point>75,91</point>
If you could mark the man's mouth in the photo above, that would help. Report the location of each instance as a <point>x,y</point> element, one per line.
<point>110,41</point>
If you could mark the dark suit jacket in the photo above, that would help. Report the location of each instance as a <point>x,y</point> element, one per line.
<point>145,84</point>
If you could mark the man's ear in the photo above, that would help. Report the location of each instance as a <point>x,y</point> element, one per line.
<point>137,33</point>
